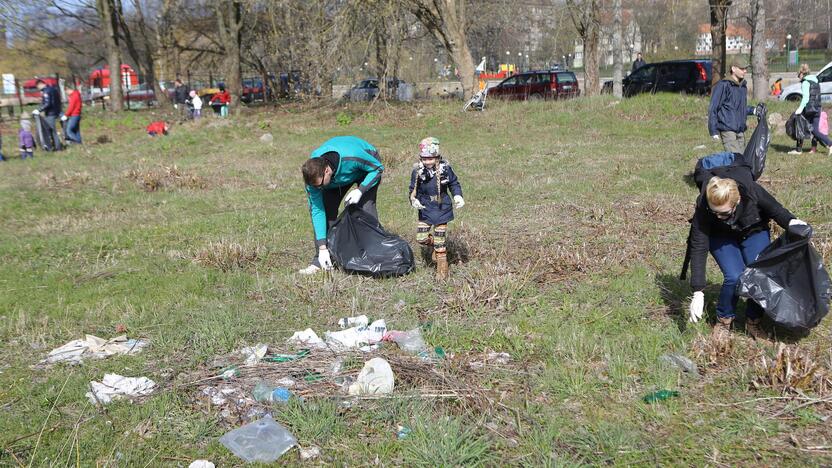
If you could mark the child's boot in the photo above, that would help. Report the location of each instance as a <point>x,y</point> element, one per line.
<point>441,265</point>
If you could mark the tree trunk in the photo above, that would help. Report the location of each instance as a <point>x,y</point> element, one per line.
<point>719,23</point>
<point>585,16</point>
<point>758,50</point>
<point>829,24</point>
<point>618,72</point>
<point>165,40</point>
<point>230,24</point>
<point>109,22</point>
<point>446,20</point>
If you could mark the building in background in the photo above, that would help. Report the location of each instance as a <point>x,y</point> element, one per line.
<point>737,40</point>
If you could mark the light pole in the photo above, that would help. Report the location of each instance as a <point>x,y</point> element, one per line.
<point>788,50</point>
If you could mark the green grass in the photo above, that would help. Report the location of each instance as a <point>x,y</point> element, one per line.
<point>574,226</point>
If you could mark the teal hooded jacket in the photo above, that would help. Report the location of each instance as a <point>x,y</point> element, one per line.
<point>358,163</point>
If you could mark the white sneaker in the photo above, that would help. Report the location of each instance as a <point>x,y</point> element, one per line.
<point>794,151</point>
<point>830,151</point>
<point>310,270</point>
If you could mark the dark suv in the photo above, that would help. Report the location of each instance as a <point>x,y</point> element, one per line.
<point>676,76</point>
<point>537,85</point>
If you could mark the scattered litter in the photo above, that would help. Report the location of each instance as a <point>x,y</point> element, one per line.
<point>306,338</point>
<point>310,453</point>
<point>121,328</point>
<point>93,347</point>
<point>255,353</point>
<point>267,138</point>
<point>410,341</point>
<point>265,391</point>
<point>286,382</point>
<point>491,359</point>
<point>114,387</point>
<point>681,362</point>
<point>358,321</point>
<point>263,441</point>
<point>364,338</point>
<point>230,372</point>
<point>287,357</point>
<point>375,378</point>
<point>219,396</point>
<point>201,464</point>
<point>402,432</point>
<point>660,395</point>
<point>699,147</point>
<point>337,365</point>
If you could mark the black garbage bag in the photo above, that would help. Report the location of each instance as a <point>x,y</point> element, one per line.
<point>359,244</point>
<point>789,281</point>
<point>798,128</point>
<point>757,147</point>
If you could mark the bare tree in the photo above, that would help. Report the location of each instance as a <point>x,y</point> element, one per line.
<point>758,49</point>
<point>230,22</point>
<point>109,22</point>
<point>719,23</point>
<point>617,59</point>
<point>446,20</point>
<point>585,16</point>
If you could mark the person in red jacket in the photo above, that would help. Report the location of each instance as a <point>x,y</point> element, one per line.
<point>220,101</point>
<point>71,120</point>
<point>158,128</point>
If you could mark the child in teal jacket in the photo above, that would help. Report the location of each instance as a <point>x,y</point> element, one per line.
<point>329,175</point>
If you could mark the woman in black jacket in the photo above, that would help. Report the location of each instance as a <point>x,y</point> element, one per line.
<point>732,222</point>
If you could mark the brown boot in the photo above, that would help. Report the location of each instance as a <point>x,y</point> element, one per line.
<point>441,265</point>
<point>755,329</point>
<point>722,328</point>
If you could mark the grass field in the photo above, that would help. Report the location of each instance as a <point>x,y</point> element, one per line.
<point>570,242</point>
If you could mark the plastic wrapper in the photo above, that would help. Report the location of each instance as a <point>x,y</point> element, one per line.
<point>263,441</point>
<point>359,244</point>
<point>789,281</point>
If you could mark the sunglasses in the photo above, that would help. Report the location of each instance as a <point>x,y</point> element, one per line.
<point>723,214</point>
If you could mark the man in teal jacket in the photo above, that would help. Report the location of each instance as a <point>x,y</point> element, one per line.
<point>329,175</point>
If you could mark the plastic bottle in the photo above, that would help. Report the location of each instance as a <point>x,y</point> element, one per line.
<point>264,391</point>
<point>660,395</point>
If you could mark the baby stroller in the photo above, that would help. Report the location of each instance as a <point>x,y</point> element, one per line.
<point>477,102</point>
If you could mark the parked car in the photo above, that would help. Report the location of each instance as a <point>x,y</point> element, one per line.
<point>537,85</point>
<point>792,92</point>
<point>367,89</point>
<point>675,76</point>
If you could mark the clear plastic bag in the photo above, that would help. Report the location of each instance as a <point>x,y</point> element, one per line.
<point>263,440</point>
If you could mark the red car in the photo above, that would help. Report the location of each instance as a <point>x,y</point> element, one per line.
<point>537,85</point>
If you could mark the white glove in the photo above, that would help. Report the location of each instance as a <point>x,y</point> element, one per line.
<point>352,197</point>
<point>324,260</point>
<point>798,113</point>
<point>63,118</point>
<point>458,201</point>
<point>715,137</point>
<point>35,112</point>
<point>797,222</point>
<point>415,203</point>
<point>697,306</point>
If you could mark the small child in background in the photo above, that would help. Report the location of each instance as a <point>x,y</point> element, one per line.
<point>158,128</point>
<point>195,104</point>
<point>431,185</point>
<point>26,141</point>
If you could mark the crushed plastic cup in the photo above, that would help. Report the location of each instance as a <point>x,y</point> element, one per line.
<point>263,441</point>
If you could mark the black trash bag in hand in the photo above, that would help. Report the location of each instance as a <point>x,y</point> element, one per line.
<point>798,128</point>
<point>757,147</point>
<point>789,281</point>
<point>359,244</point>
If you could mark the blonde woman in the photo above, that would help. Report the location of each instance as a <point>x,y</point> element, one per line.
<point>732,222</point>
<point>810,108</point>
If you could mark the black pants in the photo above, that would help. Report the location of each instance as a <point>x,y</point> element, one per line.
<point>332,202</point>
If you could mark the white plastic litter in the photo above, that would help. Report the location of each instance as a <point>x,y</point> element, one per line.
<point>255,353</point>
<point>376,378</point>
<point>201,464</point>
<point>310,453</point>
<point>263,441</point>
<point>93,347</point>
<point>358,321</point>
<point>115,387</point>
<point>307,338</point>
<point>364,338</point>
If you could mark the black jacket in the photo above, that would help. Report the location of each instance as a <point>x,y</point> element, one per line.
<point>50,101</point>
<point>435,194</point>
<point>729,107</point>
<point>638,63</point>
<point>752,215</point>
<point>180,94</point>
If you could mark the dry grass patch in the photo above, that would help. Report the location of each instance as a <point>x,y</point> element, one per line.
<point>793,370</point>
<point>226,255</point>
<point>164,177</point>
<point>67,180</point>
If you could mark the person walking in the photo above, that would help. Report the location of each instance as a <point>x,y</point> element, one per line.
<point>810,107</point>
<point>49,112</point>
<point>180,96</point>
<point>638,63</point>
<point>71,120</point>
<point>731,220</point>
<point>329,175</point>
<point>729,108</point>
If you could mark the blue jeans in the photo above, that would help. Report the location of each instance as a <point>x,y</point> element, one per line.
<point>732,255</point>
<point>73,129</point>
